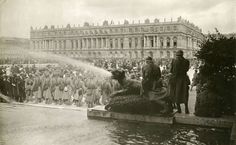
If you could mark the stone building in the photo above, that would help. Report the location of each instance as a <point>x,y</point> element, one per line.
<point>136,40</point>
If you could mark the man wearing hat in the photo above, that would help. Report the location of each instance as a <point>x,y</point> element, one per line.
<point>179,81</point>
<point>150,73</point>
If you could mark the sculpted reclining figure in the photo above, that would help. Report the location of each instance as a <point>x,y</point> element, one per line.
<point>129,100</point>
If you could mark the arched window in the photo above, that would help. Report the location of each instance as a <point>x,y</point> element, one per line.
<point>116,43</point>
<point>122,43</point>
<point>168,42</point>
<point>152,42</point>
<point>111,45</point>
<point>175,42</point>
<point>142,42</point>
<point>130,42</point>
<point>136,42</point>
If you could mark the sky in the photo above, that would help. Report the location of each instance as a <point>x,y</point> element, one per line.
<point>17,16</point>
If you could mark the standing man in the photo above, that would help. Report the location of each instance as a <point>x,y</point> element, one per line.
<point>151,73</point>
<point>179,81</point>
<point>28,87</point>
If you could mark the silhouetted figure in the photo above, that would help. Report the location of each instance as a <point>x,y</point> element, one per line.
<point>179,81</point>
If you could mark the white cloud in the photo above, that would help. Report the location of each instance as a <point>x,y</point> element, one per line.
<point>16,16</point>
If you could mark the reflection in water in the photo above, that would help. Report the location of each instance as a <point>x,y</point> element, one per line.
<point>122,132</point>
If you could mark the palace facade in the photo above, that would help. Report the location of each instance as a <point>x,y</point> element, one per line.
<point>136,40</point>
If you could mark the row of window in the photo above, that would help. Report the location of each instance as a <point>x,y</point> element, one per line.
<point>108,31</point>
<point>131,54</point>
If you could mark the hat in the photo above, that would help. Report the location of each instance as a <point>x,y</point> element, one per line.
<point>179,53</point>
<point>149,58</point>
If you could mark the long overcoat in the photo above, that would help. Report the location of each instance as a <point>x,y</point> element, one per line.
<point>179,81</point>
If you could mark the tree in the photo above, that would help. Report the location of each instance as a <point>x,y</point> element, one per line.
<point>216,90</point>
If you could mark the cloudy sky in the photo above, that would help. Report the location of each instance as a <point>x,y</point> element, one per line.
<point>16,16</point>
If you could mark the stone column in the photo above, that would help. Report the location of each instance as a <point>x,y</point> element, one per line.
<point>49,44</point>
<point>145,42</point>
<point>62,45</point>
<point>83,43</point>
<point>171,42</point>
<point>148,41</point>
<point>45,44</point>
<point>58,44</point>
<point>164,42</point>
<point>41,44</point>
<point>92,43</point>
<point>52,44</point>
<point>100,42</point>
<point>74,44</point>
<point>157,42</point>
<point>113,43</point>
<point>107,43</point>
<point>68,44</point>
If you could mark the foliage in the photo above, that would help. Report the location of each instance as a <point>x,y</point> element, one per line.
<point>218,69</point>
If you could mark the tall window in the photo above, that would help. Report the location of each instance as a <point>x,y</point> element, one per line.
<point>121,43</point>
<point>130,42</point>
<point>152,42</point>
<point>77,44</point>
<point>175,42</point>
<point>111,45</point>
<point>72,44</point>
<point>136,42</point>
<point>142,42</point>
<point>168,42</point>
<point>64,44</point>
<point>105,42</point>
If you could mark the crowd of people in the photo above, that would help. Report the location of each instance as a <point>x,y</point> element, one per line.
<point>66,84</point>
<point>59,84</point>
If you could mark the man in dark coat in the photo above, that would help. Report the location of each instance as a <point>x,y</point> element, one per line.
<point>179,81</point>
<point>151,74</point>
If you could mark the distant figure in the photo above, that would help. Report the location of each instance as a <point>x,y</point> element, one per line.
<point>194,80</point>
<point>179,81</point>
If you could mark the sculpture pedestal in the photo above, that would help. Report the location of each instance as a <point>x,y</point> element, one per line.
<point>100,112</point>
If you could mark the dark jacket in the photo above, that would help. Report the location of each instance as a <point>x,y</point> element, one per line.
<point>151,73</point>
